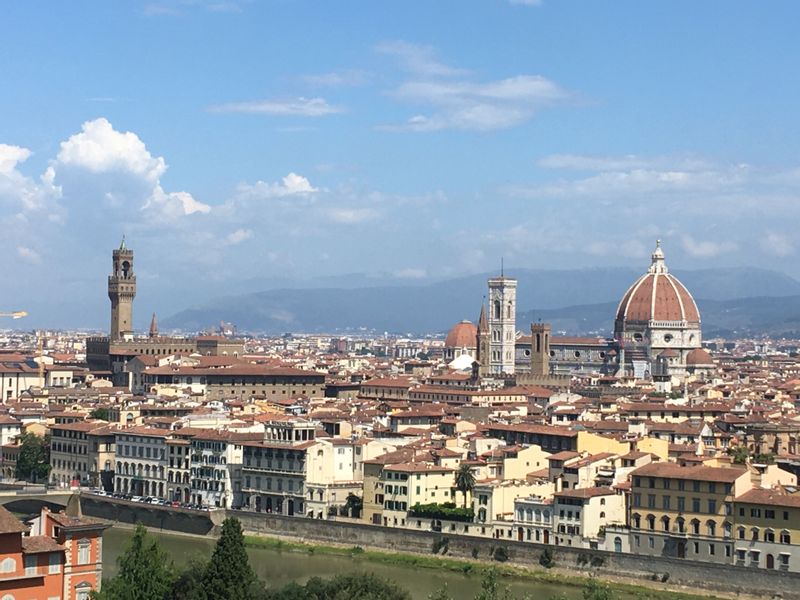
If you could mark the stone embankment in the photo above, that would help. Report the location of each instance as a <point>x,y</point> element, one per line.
<point>729,579</point>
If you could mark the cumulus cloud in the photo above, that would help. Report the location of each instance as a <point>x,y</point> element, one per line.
<point>21,192</point>
<point>628,162</point>
<point>455,101</point>
<point>297,107</point>
<point>130,172</point>
<point>291,185</point>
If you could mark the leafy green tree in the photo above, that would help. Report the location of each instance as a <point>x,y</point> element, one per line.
<point>188,585</point>
<point>145,571</point>
<point>465,480</point>
<point>597,590</point>
<point>492,589</point>
<point>365,586</point>
<point>33,463</point>
<point>228,575</point>
<point>739,454</point>
<point>353,505</point>
<point>101,413</point>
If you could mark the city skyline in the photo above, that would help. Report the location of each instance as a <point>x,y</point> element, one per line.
<point>230,149</point>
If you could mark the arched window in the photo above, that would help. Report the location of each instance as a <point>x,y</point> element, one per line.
<point>602,501</point>
<point>665,523</point>
<point>695,527</point>
<point>602,515</point>
<point>651,522</point>
<point>711,526</point>
<point>617,544</point>
<point>637,521</point>
<point>497,309</point>
<point>8,565</point>
<point>680,524</point>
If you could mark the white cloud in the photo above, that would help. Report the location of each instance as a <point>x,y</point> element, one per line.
<point>418,59</point>
<point>351,216</point>
<point>238,236</point>
<point>581,162</point>
<point>777,244</point>
<point>19,191</point>
<point>29,255</point>
<point>298,107</point>
<point>131,172</point>
<point>343,78</point>
<point>100,148</point>
<point>705,248</point>
<point>454,101</point>
<point>291,185</point>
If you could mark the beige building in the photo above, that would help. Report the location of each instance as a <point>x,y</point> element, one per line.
<point>580,516</point>
<point>69,453</point>
<point>411,483</point>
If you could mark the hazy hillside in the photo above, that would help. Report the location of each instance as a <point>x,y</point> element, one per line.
<point>577,300</point>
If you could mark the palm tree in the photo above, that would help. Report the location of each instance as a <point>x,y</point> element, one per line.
<point>465,480</point>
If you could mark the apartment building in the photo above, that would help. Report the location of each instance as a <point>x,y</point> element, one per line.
<point>767,524</point>
<point>273,477</point>
<point>69,453</point>
<point>685,512</point>
<point>216,467</point>
<point>580,516</point>
<point>141,457</point>
<point>410,483</point>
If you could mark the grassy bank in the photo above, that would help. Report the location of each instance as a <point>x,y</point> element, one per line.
<point>553,577</point>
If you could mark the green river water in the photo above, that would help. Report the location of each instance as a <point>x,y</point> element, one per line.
<point>281,567</point>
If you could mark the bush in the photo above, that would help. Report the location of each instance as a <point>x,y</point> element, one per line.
<point>665,578</point>
<point>546,559</point>
<point>475,552</point>
<point>500,554</point>
<point>598,561</point>
<point>446,511</point>
<point>440,545</point>
<point>582,560</point>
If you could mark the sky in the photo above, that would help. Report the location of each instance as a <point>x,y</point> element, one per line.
<point>240,144</point>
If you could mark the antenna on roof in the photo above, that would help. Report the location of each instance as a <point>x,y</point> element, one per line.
<point>502,267</point>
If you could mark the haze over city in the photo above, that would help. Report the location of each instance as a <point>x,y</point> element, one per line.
<point>242,146</point>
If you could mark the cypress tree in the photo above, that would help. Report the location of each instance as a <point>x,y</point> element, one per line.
<point>228,575</point>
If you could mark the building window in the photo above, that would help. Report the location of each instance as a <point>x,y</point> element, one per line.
<point>8,565</point>
<point>83,552</point>
<point>55,563</point>
<point>30,564</point>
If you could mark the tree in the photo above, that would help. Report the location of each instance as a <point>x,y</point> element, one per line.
<point>145,571</point>
<point>101,413</point>
<point>353,505</point>
<point>491,588</point>
<point>189,583</point>
<point>33,463</point>
<point>465,480</point>
<point>739,454</point>
<point>228,575</point>
<point>597,590</point>
<point>364,586</point>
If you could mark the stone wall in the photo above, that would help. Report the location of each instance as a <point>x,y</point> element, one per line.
<point>767,584</point>
<point>151,516</point>
<point>682,572</point>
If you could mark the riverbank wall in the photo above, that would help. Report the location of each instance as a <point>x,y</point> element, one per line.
<point>745,581</point>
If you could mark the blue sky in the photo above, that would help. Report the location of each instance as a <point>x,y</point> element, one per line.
<point>237,143</point>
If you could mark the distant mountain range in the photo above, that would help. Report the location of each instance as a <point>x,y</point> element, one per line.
<point>735,300</point>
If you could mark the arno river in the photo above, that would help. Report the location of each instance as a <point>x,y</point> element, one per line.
<point>278,568</point>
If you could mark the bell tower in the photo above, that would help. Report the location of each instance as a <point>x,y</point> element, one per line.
<point>121,292</point>
<point>502,324</point>
<point>540,348</point>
